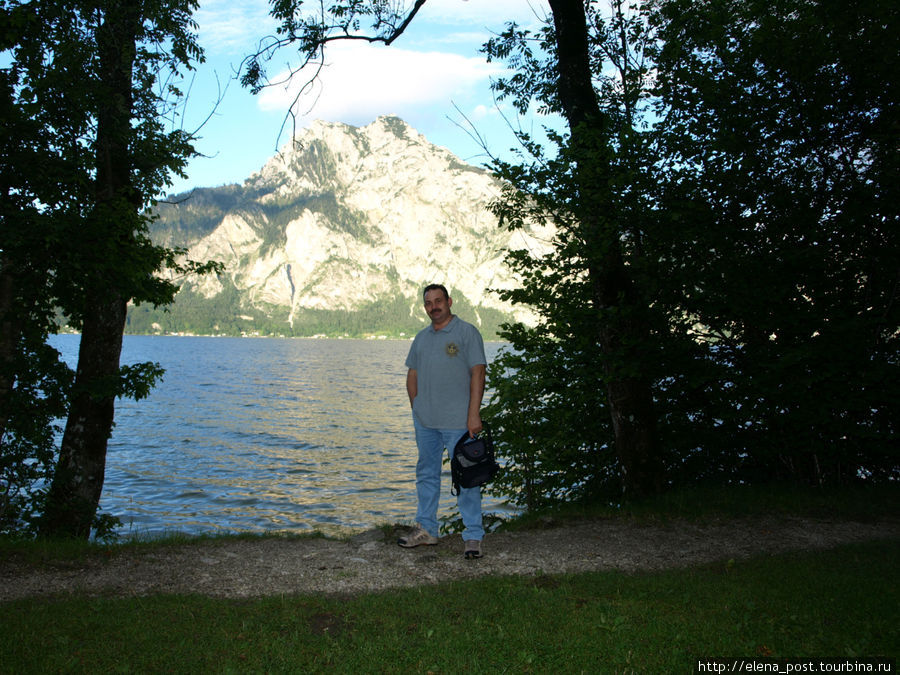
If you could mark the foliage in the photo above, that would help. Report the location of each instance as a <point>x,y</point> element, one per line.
<point>31,413</point>
<point>554,447</point>
<point>83,156</point>
<point>34,383</point>
<point>554,386</point>
<point>761,226</point>
<point>779,235</point>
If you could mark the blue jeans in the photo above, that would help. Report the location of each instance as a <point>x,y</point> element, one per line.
<point>431,444</point>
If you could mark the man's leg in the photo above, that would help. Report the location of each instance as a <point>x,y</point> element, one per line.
<point>428,476</point>
<point>469,499</point>
<point>469,502</point>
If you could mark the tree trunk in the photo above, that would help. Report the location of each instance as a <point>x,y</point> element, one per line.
<point>621,323</point>
<point>9,334</point>
<point>78,482</point>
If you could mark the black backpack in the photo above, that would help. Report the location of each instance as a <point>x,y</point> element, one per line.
<point>473,461</point>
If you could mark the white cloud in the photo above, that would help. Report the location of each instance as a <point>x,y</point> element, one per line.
<point>362,81</point>
<point>229,26</point>
<point>234,28</point>
<point>481,111</point>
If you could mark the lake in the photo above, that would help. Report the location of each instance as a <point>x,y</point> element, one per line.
<point>265,435</point>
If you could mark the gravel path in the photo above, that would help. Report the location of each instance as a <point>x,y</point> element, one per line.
<point>372,561</point>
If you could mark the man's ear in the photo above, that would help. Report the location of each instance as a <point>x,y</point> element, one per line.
<point>449,301</point>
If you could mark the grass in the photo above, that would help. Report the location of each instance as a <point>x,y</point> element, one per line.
<point>841,603</point>
<point>856,502</point>
<point>43,551</point>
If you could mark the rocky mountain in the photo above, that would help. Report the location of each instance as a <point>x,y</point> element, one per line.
<point>337,234</point>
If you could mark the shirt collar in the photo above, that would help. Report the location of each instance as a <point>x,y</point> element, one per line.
<point>446,329</point>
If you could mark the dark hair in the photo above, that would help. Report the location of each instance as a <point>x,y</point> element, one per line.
<point>436,287</point>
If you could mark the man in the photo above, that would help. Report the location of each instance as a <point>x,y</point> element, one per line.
<point>445,383</point>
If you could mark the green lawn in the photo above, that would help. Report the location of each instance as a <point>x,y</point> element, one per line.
<point>839,603</point>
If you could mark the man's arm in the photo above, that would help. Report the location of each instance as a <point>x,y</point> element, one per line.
<point>412,385</point>
<point>476,394</point>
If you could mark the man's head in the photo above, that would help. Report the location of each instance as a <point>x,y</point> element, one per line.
<point>436,287</point>
<point>437,304</point>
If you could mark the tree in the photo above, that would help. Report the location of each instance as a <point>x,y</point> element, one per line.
<point>600,150</point>
<point>38,194</point>
<point>779,189</point>
<point>764,235</point>
<point>600,348</point>
<point>95,79</point>
<point>723,285</point>
<point>619,326</point>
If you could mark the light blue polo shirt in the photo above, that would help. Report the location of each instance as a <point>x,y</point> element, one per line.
<point>442,361</point>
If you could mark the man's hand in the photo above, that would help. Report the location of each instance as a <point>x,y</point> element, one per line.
<point>412,385</point>
<point>476,393</point>
<point>474,424</point>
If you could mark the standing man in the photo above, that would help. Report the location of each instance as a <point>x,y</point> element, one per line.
<point>445,383</point>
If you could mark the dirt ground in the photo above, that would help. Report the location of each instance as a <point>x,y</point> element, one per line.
<point>372,561</point>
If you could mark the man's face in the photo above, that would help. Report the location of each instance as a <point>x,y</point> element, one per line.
<point>438,307</point>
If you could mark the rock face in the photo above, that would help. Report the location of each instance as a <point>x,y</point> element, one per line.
<point>341,220</point>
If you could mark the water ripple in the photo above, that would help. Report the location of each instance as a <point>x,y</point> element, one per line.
<point>264,435</point>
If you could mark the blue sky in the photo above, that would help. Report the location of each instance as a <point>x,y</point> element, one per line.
<point>432,70</point>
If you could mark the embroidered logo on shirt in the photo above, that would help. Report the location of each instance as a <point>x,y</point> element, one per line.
<point>452,349</point>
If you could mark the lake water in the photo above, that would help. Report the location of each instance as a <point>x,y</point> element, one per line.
<point>265,434</point>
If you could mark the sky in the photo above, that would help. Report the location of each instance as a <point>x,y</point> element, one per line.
<point>433,77</point>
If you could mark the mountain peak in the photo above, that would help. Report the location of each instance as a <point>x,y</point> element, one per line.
<point>346,220</point>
